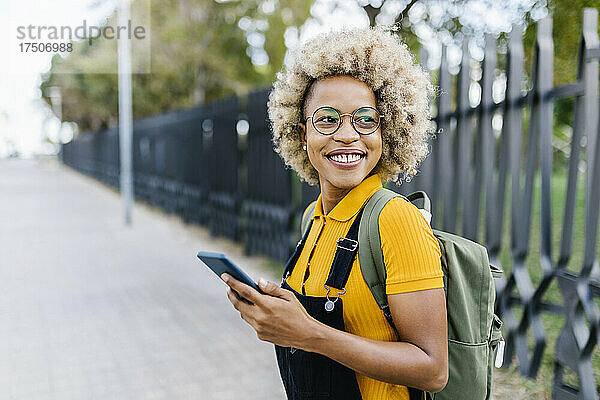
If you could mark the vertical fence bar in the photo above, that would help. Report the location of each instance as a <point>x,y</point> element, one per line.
<point>529,364</point>
<point>494,223</point>
<point>512,128</point>
<point>206,163</point>
<point>591,100</point>
<point>590,264</point>
<point>590,74</point>
<point>520,279</point>
<point>268,206</point>
<point>464,130</point>
<point>223,195</point>
<point>190,150</point>
<point>513,120</point>
<point>488,140</point>
<point>424,179</point>
<point>484,153</point>
<point>445,194</point>
<point>544,116</point>
<point>544,85</point>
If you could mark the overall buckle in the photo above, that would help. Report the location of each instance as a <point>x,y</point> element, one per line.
<point>330,304</point>
<point>346,244</point>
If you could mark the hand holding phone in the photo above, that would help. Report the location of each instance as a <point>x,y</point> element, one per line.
<point>220,264</point>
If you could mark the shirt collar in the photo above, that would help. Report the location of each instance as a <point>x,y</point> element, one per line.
<point>353,202</point>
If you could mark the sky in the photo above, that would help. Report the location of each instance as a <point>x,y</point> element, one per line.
<point>26,121</point>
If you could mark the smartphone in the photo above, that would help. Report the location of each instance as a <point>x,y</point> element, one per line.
<point>219,264</point>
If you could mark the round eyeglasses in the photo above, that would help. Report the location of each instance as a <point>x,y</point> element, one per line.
<point>327,120</point>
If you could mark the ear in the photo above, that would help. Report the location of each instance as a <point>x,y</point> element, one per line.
<point>302,126</point>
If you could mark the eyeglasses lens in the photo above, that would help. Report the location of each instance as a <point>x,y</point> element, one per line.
<point>326,120</point>
<point>365,120</point>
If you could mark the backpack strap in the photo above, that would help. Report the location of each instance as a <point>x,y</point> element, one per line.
<point>370,255</point>
<point>308,214</point>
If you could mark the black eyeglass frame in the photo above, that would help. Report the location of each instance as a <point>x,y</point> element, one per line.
<point>312,119</point>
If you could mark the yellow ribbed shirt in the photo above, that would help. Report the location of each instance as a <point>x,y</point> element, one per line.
<point>412,260</point>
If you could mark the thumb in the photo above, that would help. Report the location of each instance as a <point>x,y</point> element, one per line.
<point>272,289</point>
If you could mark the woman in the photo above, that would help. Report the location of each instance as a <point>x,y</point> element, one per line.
<point>351,111</point>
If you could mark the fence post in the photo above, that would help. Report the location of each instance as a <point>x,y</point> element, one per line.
<point>424,179</point>
<point>589,74</point>
<point>223,195</point>
<point>540,124</point>
<point>543,116</point>
<point>512,128</point>
<point>514,121</point>
<point>487,135</point>
<point>544,84</point>
<point>444,192</point>
<point>464,129</point>
<point>268,206</point>
<point>484,154</point>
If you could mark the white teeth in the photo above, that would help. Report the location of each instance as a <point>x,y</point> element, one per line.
<point>345,158</point>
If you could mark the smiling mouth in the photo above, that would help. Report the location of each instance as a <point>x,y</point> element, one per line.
<point>346,158</point>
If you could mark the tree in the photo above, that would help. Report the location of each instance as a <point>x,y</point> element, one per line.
<point>201,50</point>
<point>566,29</point>
<point>447,21</point>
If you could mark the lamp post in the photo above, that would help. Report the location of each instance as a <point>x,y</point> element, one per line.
<point>56,101</point>
<point>125,112</point>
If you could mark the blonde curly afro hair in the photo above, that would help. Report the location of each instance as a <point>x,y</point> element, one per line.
<point>377,57</point>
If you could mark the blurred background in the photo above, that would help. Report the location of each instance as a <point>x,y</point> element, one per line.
<point>516,115</point>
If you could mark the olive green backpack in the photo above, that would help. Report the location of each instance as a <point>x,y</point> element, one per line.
<point>473,328</point>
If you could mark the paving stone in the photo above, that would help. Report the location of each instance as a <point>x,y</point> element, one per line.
<point>93,309</point>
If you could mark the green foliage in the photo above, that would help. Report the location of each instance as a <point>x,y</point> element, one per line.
<point>567,23</point>
<point>567,18</point>
<point>446,20</point>
<point>198,53</point>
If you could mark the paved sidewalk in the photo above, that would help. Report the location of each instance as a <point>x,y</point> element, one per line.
<point>91,309</point>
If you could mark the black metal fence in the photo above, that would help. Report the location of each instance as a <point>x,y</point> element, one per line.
<point>197,164</point>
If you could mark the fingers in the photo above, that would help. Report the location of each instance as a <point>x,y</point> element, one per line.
<point>243,290</point>
<point>273,289</point>
<point>239,303</point>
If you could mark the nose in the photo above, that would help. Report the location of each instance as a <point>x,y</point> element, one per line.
<point>346,132</point>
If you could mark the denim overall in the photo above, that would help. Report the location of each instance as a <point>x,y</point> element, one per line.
<point>307,375</point>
